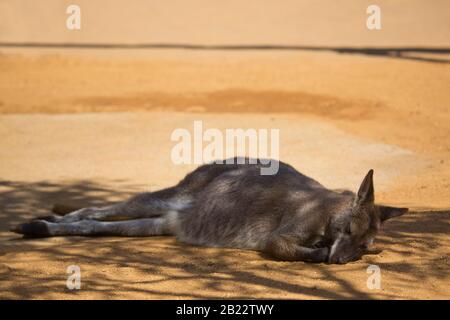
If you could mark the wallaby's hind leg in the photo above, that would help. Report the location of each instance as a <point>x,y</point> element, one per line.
<point>129,228</point>
<point>59,210</point>
<point>63,209</point>
<point>114,212</point>
<point>145,205</point>
<point>110,213</point>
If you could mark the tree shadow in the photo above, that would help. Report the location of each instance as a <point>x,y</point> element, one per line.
<point>425,235</point>
<point>162,268</point>
<point>409,53</point>
<point>20,201</point>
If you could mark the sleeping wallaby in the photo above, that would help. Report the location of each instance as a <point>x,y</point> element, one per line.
<point>286,215</point>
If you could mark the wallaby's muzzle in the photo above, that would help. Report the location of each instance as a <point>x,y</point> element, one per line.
<point>344,250</point>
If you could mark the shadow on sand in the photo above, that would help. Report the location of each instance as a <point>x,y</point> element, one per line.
<point>163,265</point>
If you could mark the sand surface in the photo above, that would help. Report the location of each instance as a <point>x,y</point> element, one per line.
<point>90,127</point>
<point>87,130</point>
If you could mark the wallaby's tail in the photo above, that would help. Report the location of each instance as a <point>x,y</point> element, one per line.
<point>62,209</point>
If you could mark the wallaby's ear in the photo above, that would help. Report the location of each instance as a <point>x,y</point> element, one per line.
<point>391,212</point>
<point>366,191</point>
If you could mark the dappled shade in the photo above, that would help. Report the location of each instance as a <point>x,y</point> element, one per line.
<point>161,267</point>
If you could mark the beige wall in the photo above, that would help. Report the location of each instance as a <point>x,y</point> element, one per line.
<point>307,22</point>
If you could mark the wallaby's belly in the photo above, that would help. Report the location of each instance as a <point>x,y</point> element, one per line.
<point>230,217</point>
<point>218,231</point>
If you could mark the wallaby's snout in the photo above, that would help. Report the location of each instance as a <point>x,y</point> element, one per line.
<point>344,250</point>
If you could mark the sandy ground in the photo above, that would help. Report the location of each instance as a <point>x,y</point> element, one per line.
<point>86,129</point>
<point>90,127</point>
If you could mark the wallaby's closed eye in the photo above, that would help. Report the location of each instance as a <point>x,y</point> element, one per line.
<point>287,215</point>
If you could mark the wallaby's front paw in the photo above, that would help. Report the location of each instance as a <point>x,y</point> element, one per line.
<point>323,254</point>
<point>33,229</point>
<point>320,255</point>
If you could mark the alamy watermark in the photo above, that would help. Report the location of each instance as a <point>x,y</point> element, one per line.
<point>73,21</point>
<point>374,278</point>
<point>212,145</point>
<point>373,21</point>
<point>74,279</point>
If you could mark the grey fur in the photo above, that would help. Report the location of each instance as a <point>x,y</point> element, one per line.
<point>287,215</point>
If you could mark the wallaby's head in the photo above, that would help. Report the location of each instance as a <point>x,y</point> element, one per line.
<point>354,230</point>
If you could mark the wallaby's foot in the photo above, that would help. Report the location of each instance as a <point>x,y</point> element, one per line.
<point>33,229</point>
